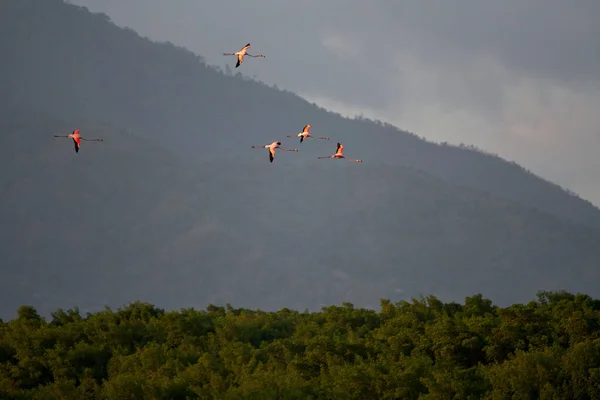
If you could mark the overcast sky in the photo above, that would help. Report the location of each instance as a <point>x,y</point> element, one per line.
<point>519,78</point>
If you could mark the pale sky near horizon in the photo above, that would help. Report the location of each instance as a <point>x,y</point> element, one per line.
<point>518,78</point>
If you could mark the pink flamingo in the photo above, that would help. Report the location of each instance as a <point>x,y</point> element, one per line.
<point>306,134</point>
<point>76,136</point>
<point>339,154</point>
<point>272,147</point>
<point>240,55</point>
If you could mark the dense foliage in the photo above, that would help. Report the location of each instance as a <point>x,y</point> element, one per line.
<point>422,349</point>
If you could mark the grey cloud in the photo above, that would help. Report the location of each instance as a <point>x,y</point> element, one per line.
<point>554,38</point>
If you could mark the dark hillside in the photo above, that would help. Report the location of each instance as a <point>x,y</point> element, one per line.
<point>125,220</point>
<point>63,60</point>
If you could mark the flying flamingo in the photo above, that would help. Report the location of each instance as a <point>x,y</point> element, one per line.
<point>240,55</point>
<point>306,134</point>
<point>272,147</point>
<point>340,154</point>
<point>76,136</point>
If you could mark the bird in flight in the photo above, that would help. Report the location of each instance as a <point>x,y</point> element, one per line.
<point>76,136</point>
<point>339,154</point>
<point>306,134</point>
<point>272,147</point>
<point>240,55</point>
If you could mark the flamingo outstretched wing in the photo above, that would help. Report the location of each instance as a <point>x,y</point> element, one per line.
<point>271,154</point>
<point>77,143</point>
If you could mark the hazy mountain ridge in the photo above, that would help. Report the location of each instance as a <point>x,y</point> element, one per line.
<point>125,220</point>
<point>69,62</point>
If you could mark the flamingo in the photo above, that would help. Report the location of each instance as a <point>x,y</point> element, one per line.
<point>305,134</point>
<point>272,147</point>
<point>76,136</point>
<point>339,154</point>
<point>240,55</point>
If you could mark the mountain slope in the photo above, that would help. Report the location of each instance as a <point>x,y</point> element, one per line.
<point>124,220</point>
<point>74,225</point>
<point>66,61</point>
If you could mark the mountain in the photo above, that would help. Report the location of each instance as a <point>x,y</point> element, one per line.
<point>176,209</point>
<point>63,60</point>
<point>126,220</point>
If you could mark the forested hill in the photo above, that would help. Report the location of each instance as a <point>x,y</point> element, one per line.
<point>66,61</point>
<point>126,220</point>
<point>422,349</point>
